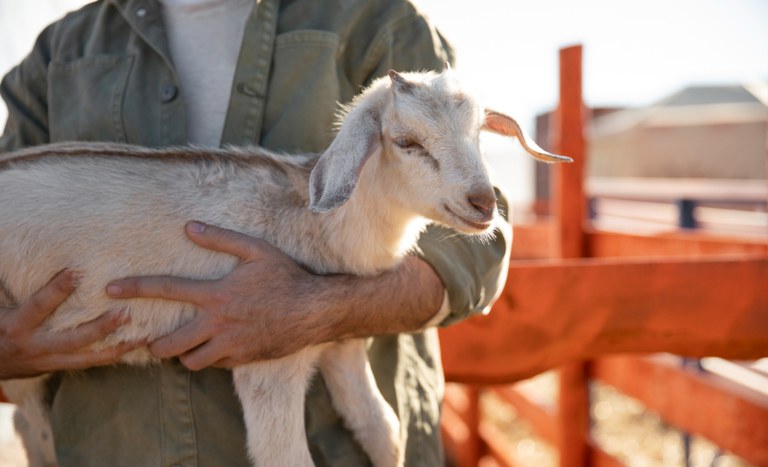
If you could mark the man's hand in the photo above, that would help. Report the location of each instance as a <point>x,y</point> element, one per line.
<point>27,349</point>
<point>269,306</point>
<point>261,310</point>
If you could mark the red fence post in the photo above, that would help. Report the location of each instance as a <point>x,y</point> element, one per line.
<point>569,209</point>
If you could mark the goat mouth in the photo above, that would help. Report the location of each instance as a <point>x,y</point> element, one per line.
<point>481,226</point>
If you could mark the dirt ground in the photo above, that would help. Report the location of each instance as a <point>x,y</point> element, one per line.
<point>621,426</point>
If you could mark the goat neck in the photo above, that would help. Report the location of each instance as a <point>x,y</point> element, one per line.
<point>372,230</point>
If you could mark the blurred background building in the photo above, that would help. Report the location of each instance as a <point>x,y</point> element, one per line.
<point>718,131</point>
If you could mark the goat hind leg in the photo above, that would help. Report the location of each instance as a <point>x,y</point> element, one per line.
<point>348,376</point>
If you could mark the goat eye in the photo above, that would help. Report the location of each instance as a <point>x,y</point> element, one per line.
<point>407,143</point>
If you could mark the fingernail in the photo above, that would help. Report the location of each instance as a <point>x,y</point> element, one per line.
<point>196,227</point>
<point>113,289</point>
<point>123,316</point>
<point>75,277</point>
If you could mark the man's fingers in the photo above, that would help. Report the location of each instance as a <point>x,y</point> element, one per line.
<point>168,287</point>
<point>224,363</point>
<point>44,302</point>
<point>88,359</point>
<point>226,241</point>
<point>181,341</point>
<point>86,333</point>
<point>201,357</point>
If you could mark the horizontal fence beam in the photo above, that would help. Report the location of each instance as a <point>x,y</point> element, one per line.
<point>551,313</point>
<point>534,240</point>
<point>731,416</point>
<point>603,244</point>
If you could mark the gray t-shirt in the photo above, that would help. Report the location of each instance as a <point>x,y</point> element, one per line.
<point>205,38</point>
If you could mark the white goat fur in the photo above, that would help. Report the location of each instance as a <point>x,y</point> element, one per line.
<point>114,211</point>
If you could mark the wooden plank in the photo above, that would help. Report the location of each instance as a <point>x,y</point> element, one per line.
<point>568,200</point>
<point>569,208</point>
<point>673,189</point>
<point>551,313</point>
<point>503,454</point>
<point>533,240</point>
<point>603,244</point>
<point>573,415</point>
<point>542,421</point>
<point>731,416</point>
<point>539,417</point>
<point>455,433</point>
<point>460,423</point>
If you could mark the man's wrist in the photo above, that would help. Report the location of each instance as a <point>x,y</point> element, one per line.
<point>442,313</point>
<point>405,299</point>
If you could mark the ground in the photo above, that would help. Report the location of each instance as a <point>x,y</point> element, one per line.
<point>621,426</point>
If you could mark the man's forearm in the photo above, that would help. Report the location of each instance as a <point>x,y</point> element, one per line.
<point>400,300</point>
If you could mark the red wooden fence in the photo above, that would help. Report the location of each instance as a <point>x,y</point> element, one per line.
<point>604,292</point>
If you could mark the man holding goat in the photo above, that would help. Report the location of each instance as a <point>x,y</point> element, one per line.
<point>217,72</point>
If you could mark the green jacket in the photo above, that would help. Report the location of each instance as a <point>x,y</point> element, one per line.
<point>104,73</point>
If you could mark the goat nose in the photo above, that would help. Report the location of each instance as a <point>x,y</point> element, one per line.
<point>484,202</point>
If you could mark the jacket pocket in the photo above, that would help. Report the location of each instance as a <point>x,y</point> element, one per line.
<point>85,98</point>
<point>301,106</point>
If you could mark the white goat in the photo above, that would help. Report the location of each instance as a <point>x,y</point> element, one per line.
<point>407,153</point>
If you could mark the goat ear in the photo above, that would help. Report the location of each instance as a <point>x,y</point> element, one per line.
<point>399,82</point>
<point>505,125</point>
<point>336,173</point>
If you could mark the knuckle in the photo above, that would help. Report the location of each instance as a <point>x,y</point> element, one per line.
<point>34,303</point>
<point>12,333</point>
<point>166,286</point>
<point>219,296</point>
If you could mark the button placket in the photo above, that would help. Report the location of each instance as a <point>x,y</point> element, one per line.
<point>246,111</point>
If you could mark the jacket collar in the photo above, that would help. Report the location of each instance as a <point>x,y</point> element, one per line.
<point>146,19</point>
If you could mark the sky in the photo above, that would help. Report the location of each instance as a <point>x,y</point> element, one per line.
<point>635,53</point>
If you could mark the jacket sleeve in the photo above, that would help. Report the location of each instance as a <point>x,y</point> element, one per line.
<point>473,271</point>
<point>25,92</point>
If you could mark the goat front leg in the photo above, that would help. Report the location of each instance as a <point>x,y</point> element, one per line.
<point>347,373</point>
<point>272,394</point>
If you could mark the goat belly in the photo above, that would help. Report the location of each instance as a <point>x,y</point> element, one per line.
<point>108,219</point>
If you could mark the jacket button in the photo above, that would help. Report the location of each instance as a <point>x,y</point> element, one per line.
<point>168,92</point>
